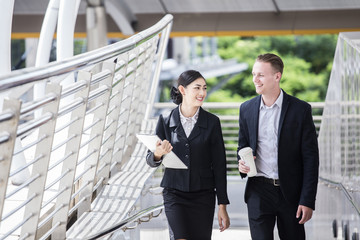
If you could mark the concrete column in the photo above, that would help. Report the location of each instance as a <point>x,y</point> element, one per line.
<point>181,50</point>
<point>96,27</point>
<point>30,48</point>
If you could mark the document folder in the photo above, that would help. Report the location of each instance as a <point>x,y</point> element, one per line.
<point>170,160</point>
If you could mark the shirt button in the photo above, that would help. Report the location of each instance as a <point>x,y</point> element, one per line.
<point>187,156</point>
<point>186,145</point>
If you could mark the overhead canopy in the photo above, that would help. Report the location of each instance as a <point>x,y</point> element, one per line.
<point>210,17</point>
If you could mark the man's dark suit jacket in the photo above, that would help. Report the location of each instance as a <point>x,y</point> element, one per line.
<point>298,154</point>
<point>203,152</point>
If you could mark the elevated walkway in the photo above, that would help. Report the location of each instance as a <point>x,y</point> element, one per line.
<point>117,199</point>
<point>77,135</point>
<point>71,166</point>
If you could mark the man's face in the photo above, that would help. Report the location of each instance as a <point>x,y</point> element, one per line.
<point>265,78</point>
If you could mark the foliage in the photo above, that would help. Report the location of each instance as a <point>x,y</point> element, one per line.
<point>316,49</point>
<point>18,56</point>
<point>79,46</point>
<point>308,60</point>
<point>19,53</point>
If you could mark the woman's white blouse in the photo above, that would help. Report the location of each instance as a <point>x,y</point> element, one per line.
<point>188,123</point>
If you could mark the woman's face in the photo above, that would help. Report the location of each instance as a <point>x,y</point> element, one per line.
<point>194,94</point>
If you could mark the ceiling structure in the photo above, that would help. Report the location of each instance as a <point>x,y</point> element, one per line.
<point>206,17</point>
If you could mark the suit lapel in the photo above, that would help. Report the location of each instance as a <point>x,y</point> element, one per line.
<point>254,122</point>
<point>284,109</point>
<point>176,123</point>
<point>201,122</point>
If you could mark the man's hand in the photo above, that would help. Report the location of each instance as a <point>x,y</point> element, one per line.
<point>242,167</point>
<point>305,213</point>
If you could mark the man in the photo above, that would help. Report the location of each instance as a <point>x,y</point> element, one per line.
<point>280,130</point>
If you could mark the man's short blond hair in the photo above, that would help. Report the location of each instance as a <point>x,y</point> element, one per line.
<point>275,61</point>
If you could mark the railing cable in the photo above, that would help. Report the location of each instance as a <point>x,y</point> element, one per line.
<point>148,212</point>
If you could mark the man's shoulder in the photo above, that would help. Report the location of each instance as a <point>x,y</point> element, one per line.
<point>250,102</point>
<point>297,101</point>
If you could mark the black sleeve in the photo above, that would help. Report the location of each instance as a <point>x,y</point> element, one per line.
<point>243,136</point>
<point>219,164</point>
<point>310,155</point>
<point>160,132</point>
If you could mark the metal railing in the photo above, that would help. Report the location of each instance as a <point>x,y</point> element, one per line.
<point>142,216</point>
<point>339,142</point>
<point>340,136</point>
<point>57,151</point>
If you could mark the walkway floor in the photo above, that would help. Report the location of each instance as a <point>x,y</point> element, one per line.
<point>229,234</point>
<point>157,229</point>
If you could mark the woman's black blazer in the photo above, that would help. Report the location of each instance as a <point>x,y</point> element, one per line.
<point>203,152</point>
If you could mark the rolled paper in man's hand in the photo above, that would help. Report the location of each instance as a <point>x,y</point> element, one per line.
<point>246,155</point>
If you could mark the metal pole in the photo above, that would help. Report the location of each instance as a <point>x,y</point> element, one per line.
<point>96,27</point>
<point>47,33</point>
<point>155,82</point>
<point>5,68</point>
<point>7,8</point>
<point>45,42</point>
<point>5,40</point>
<point>65,33</point>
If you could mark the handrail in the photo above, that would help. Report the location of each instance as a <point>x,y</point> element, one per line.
<point>347,194</point>
<point>225,105</point>
<point>150,210</point>
<point>34,74</point>
<point>136,217</point>
<point>68,130</point>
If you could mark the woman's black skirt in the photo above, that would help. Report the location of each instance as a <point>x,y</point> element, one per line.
<point>190,214</point>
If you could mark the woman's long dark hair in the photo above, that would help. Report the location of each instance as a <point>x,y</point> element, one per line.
<point>184,80</point>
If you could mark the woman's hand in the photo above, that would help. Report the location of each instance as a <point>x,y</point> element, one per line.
<point>162,148</point>
<point>223,217</point>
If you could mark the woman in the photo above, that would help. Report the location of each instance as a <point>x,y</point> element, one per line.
<point>195,136</point>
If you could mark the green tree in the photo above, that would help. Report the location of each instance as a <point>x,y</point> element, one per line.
<point>308,60</point>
